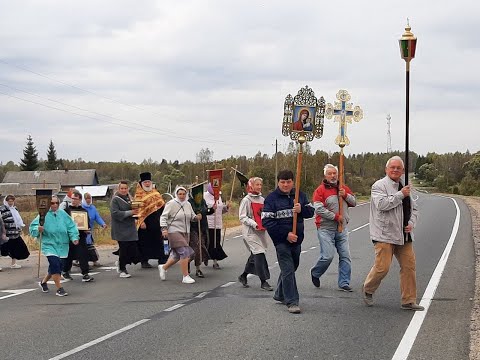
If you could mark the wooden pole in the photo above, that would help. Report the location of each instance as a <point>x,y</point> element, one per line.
<point>341,181</point>
<point>297,183</point>
<point>231,196</point>
<point>39,254</point>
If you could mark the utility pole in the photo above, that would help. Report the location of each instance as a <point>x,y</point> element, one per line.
<point>276,158</point>
<point>389,135</point>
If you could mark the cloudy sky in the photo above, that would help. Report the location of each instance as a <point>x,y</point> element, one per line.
<point>129,80</point>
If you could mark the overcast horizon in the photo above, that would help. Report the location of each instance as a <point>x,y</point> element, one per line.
<point>168,78</point>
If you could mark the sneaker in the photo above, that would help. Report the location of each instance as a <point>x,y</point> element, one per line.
<point>367,298</point>
<point>294,309</point>
<point>87,278</point>
<point>117,266</point>
<point>412,306</point>
<point>15,266</point>
<point>187,279</point>
<point>243,280</point>
<point>266,286</point>
<point>43,286</point>
<point>125,275</point>
<point>315,280</point>
<point>199,273</point>
<point>61,292</point>
<point>76,263</point>
<point>162,272</point>
<point>146,265</point>
<point>66,276</point>
<point>346,288</point>
<point>1,269</point>
<point>216,266</point>
<point>278,299</point>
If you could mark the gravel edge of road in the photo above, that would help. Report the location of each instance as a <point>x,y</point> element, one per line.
<point>473,204</point>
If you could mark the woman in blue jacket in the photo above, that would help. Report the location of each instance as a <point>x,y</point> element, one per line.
<point>93,217</point>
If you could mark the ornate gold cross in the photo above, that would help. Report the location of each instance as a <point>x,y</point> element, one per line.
<point>344,113</point>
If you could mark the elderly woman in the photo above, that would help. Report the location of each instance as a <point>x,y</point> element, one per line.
<point>57,232</point>
<point>15,246</point>
<point>93,217</point>
<point>175,223</point>
<point>3,236</point>
<point>253,232</point>
<point>124,230</point>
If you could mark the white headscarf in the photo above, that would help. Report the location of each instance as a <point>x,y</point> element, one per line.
<point>176,196</point>
<point>15,214</point>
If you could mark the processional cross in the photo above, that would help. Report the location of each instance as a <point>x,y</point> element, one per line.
<point>343,112</point>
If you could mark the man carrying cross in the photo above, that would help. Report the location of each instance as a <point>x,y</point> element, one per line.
<point>326,200</point>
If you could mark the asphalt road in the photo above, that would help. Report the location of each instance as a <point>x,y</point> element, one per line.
<point>216,318</point>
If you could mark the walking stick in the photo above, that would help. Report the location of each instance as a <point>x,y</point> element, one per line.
<point>39,254</point>
<point>200,240</point>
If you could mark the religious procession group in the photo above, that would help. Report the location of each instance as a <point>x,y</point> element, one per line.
<point>188,228</point>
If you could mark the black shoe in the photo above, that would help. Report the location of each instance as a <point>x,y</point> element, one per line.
<point>87,278</point>
<point>315,280</point>
<point>44,286</point>
<point>346,288</point>
<point>266,286</point>
<point>66,276</point>
<point>199,273</point>
<point>243,280</point>
<point>278,299</point>
<point>146,265</point>
<point>61,292</point>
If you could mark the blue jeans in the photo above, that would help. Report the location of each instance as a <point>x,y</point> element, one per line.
<point>329,241</point>
<point>288,256</point>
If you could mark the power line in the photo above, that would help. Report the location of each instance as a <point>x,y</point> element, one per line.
<point>102,96</point>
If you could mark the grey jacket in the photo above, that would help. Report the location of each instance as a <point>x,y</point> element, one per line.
<point>386,212</point>
<point>123,224</point>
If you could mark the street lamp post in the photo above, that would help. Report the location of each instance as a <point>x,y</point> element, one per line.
<point>408,44</point>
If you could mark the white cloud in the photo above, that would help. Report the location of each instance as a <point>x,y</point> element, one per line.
<point>196,74</point>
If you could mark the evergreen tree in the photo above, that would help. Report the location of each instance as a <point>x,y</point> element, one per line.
<point>30,156</point>
<point>52,161</point>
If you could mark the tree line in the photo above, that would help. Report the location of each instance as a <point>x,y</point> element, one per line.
<point>452,172</point>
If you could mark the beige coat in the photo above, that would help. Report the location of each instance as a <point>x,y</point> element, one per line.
<point>255,240</point>
<point>386,212</point>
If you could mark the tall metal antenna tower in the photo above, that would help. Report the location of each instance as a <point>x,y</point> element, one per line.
<point>389,135</point>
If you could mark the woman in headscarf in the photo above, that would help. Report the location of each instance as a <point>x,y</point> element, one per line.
<point>93,217</point>
<point>215,225</point>
<point>57,231</point>
<point>175,223</point>
<point>15,246</point>
<point>253,232</point>
<point>124,230</point>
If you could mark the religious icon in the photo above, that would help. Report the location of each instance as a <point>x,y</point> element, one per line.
<point>80,218</point>
<point>303,115</point>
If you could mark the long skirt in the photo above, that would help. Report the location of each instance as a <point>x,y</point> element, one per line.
<point>257,265</point>
<point>195,244</point>
<point>128,253</point>
<point>15,248</point>
<point>215,249</point>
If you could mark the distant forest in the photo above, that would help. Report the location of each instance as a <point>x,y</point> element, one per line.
<point>457,173</point>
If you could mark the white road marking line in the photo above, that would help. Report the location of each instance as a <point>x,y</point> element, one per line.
<point>276,262</point>
<point>99,340</point>
<point>238,236</point>
<point>15,292</point>
<point>80,274</point>
<point>174,307</point>
<point>51,282</point>
<point>228,284</point>
<point>202,294</point>
<point>365,203</point>
<point>403,349</point>
<point>303,251</point>
<point>313,247</point>
<point>108,268</point>
<point>358,228</point>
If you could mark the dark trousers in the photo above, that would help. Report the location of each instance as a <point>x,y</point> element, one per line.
<point>79,252</point>
<point>257,265</point>
<point>288,256</point>
<point>128,254</point>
